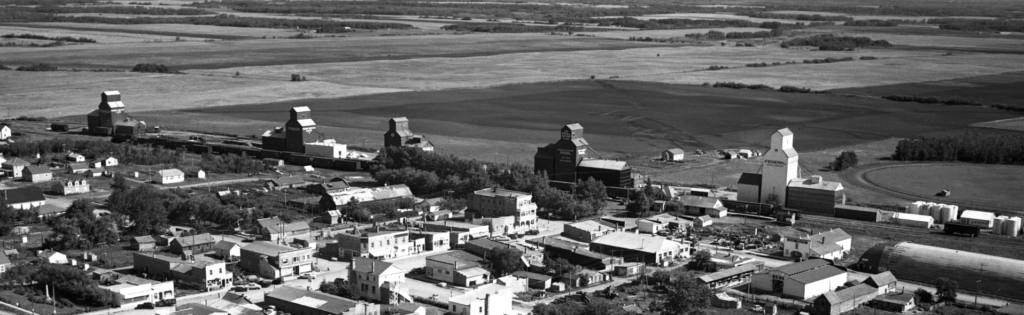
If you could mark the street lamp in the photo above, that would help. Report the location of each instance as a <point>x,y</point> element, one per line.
<point>977,291</point>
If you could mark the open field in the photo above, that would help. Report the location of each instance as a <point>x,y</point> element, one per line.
<point>1008,124</point>
<point>709,16</point>
<point>620,117</point>
<point>879,17</point>
<point>101,36</point>
<point>997,185</point>
<point>1001,88</point>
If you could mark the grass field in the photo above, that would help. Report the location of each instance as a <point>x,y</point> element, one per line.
<point>101,37</point>
<point>1002,88</point>
<point>998,185</point>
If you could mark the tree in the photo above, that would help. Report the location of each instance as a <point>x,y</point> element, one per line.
<point>945,289</point>
<point>505,261</point>
<point>686,296</point>
<point>454,204</point>
<point>923,296</point>
<point>845,160</point>
<point>336,287</point>
<point>72,283</point>
<point>592,192</point>
<point>701,260</point>
<point>145,206</point>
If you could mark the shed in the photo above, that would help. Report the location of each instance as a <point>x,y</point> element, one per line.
<point>227,250</point>
<point>858,213</point>
<point>673,155</point>
<point>702,221</point>
<point>978,218</point>
<point>269,162</point>
<point>915,220</point>
<point>146,242</point>
<point>59,127</point>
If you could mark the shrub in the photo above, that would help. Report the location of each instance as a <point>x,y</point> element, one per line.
<point>151,67</point>
<point>867,58</point>
<point>793,89</point>
<point>38,67</point>
<point>2,67</point>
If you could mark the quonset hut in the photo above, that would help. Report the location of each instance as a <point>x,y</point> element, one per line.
<point>111,118</point>
<point>565,161</point>
<point>922,263</point>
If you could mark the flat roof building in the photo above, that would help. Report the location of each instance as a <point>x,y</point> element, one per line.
<point>297,301</point>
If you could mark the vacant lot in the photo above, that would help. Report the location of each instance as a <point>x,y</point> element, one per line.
<point>995,185</point>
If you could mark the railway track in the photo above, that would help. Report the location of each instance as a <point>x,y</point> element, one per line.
<point>982,240</point>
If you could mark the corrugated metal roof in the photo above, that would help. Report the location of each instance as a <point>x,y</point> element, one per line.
<point>192,240</point>
<point>638,242</point>
<point>22,195</point>
<point>802,266</point>
<point>977,215</point>
<point>604,164</point>
<point>699,201</point>
<point>267,248</point>
<point>324,302</point>
<point>822,185</point>
<point>816,275</point>
<point>722,274</point>
<point>170,172</point>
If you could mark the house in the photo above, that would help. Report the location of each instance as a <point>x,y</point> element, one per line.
<point>701,205</point>
<point>13,167</point>
<point>432,240</point>
<point>802,280</point>
<point>227,250</point>
<point>629,269</point>
<point>198,309</point>
<point>71,187</point>
<point>337,198</point>
<point>585,278</point>
<point>490,299</point>
<point>838,302</point>
<point>535,280</point>
<point>145,242</point>
<point>169,176</point>
<point>731,277</point>
<point>672,222</point>
<point>589,230</point>
<point>514,283</point>
<point>285,231</point>
<point>703,221</point>
<point>832,244</point>
<point>95,172</point>
<point>200,174</point>
<point>76,168</point>
<point>5,132</point>
<point>458,267</point>
<point>332,217</point>
<point>439,215</point>
<point>640,248</point>
<point>378,281</point>
<point>5,262</point>
<point>36,174</point>
<point>577,254</point>
<point>623,224</point>
<point>894,302</point>
<point>650,227</point>
<point>376,243</point>
<point>290,300</point>
<point>727,260</point>
<point>885,282</point>
<point>52,257</point>
<point>273,261</point>
<point>498,203</point>
<point>49,211</point>
<point>130,291</point>
<point>473,230</point>
<point>196,243</point>
<point>75,157</point>
<point>108,161</point>
<point>673,155</point>
<point>286,182</point>
<point>326,188</point>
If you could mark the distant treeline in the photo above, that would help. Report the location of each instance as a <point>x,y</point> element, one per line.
<point>885,23</point>
<point>976,25</point>
<point>684,23</point>
<point>120,10</point>
<point>38,67</point>
<point>62,38</point>
<point>956,100</point>
<point>48,2</point>
<point>321,26</point>
<point>762,87</point>
<point>836,43</point>
<point>1005,9</point>
<point>799,17</point>
<point>152,67</point>
<point>967,147</point>
<point>716,35</point>
<point>507,28</point>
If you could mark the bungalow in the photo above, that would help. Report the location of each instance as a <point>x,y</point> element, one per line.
<point>535,280</point>
<point>23,198</point>
<point>676,154</point>
<point>13,167</point>
<point>832,244</point>
<point>77,168</point>
<point>629,269</point>
<point>440,215</point>
<point>895,302</point>
<point>701,205</point>
<point>286,182</point>
<point>585,278</point>
<point>332,217</point>
<point>36,174</point>
<point>49,211</point>
<point>95,172</point>
<point>145,242</point>
<point>196,243</point>
<point>169,176</point>
<point>75,157</point>
<point>51,257</point>
<point>703,221</point>
<point>672,222</point>
<point>108,161</point>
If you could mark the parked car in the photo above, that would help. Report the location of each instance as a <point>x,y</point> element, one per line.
<point>168,302</point>
<point>307,276</point>
<point>757,309</point>
<point>253,286</point>
<point>532,232</point>
<point>442,284</point>
<point>146,306</point>
<point>239,288</point>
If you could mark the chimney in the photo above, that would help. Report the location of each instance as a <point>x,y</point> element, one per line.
<point>487,304</point>
<point>456,265</point>
<point>373,267</point>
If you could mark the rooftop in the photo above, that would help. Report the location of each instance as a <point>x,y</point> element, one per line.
<point>224,245</point>
<point>722,274</point>
<point>22,195</point>
<point>170,172</point>
<point>698,201</point>
<point>493,192</point>
<point>372,266</point>
<point>639,242</point>
<point>802,266</point>
<point>593,225</point>
<point>816,275</point>
<point>288,227</point>
<point>267,248</point>
<point>288,180</point>
<point>36,169</point>
<point>898,298</point>
<point>830,236</point>
<point>324,302</point>
<point>847,294</point>
<point>810,183</point>
<point>977,215</point>
<point>193,240</point>
<point>454,224</point>
<point>532,275</point>
<point>144,239</point>
<point>480,293</point>
<point>465,259</point>
<point>604,164</point>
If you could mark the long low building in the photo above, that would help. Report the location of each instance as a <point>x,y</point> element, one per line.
<point>802,280</point>
<point>922,263</point>
<point>130,291</point>
<point>730,277</point>
<point>297,301</point>
<point>640,248</point>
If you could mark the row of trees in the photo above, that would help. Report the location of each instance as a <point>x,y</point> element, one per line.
<point>882,23</point>
<point>979,25</point>
<point>321,26</point>
<point>800,17</point>
<point>38,67</point>
<point>151,67</point>
<point>838,43</point>
<point>967,147</point>
<point>688,23</point>
<point>507,28</point>
<point>716,35</point>
<point>60,38</point>
<point>125,153</point>
<point>955,100</point>
<point>142,10</point>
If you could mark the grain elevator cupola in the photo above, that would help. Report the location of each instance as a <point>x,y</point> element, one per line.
<point>110,118</point>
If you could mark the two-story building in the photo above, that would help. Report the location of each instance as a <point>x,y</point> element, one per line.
<point>461,232</point>
<point>589,230</point>
<point>496,202</point>
<point>802,280</point>
<point>194,271</point>
<point>832,244</point>
<point>376,243</point>
<point>491,299</point>
<point>433,240</point>
<point>198,243</point>
<point>71,187</point>
<point>378,281</point>
<point>36,174</point>
<point>272,261</point>
<point>458,267</point>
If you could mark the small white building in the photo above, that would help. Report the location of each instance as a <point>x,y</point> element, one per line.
<point>169,176</point>
<point>650,227</point>
<point>833,244</point>
<point>978,218</point>
<point>130,291</point>
<point>227,250</point>
<point>200,174</point>
<point>487,299</point>
<point>75,157</point>
<point>54,258</point>
<point>915,220</point>
<point>673,155</point>
<point>5,132</point>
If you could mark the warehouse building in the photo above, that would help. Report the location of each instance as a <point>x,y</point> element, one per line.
<point>588,231</point>
<point>858,213</point>
<point>640,248</point>
<point>922,263</point>
<point>779,182</point>
<point>399,135</point>
<point>915,220</point>
<point>565,161</point>
<point>111,118</point>
<point>801,280</point>
<point>298,301</point>
<point>978,218</point>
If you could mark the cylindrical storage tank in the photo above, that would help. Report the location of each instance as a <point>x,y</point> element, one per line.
<point>935,210</point>
<point>1012,226</point>
<point>997,225</point>
<point>915,208</point>
<point>955,214</point>
<point>946,210</point>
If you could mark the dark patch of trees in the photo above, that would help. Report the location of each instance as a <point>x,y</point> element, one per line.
<point>321,26</point>
<point>945,289</point>
<point>737,85</point>
<point>880,23</point>
<point>62,38</point>
<point>151,67</point>
<point>923,296</point>
<point>125,153</point>
<point>968,147</point>
<point>686,296</point>
<point>3,67</point>
<point>793,89</point>
<point>800,17</point>
<point>828,60</point>
<point>690,23</point>
<point>507,28</point>
<point>868,58</point>
<point>845,160</point>
<point>298,78</point>
<point>337,287</point>
<point>38,67</point>
<point>48,2</point>
<point>505,261</point>
<point>837,43</point>
<point>10,217</point>
<point>79,228</point>
<point>717,67</point>
<point>978,25</point>
<point>147,207</point>
<point>28,118</point>
<point>594,307</point>
<point>70,283</point>
<point>956,100</point>
<point>142,10</point>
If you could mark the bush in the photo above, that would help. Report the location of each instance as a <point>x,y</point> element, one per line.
<point>837,43</point>
<point>151,67</point>
<point>2,67</point>
<point>713,68</point>
<point>845,160</point>
<point>38,67</point>
<point>793,89</point>
<point>923,296</point>
<point>867,58</point>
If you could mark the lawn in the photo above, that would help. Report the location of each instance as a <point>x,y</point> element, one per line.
<point>971,184</point>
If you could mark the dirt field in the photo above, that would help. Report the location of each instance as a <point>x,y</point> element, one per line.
<point>971,184</point>
<point>1001,88</point>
